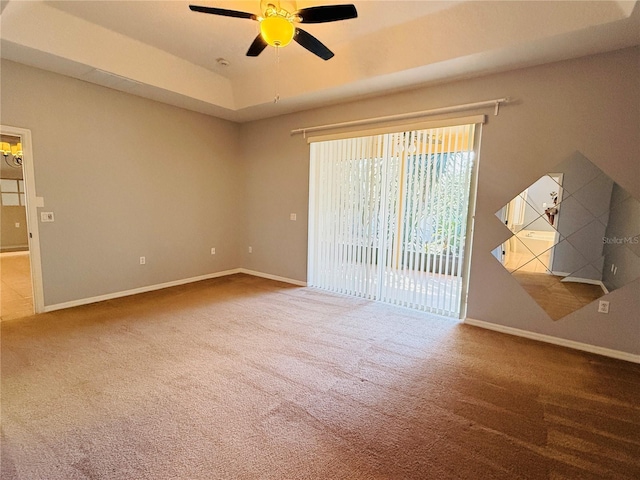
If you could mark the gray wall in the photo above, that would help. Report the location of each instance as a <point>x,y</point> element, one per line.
<point>128,177</point>
<point>125,177</point>
<point>591,105</point>
<point>11,237</point>
<point>582,218</point>
<point>537,195</point>
<point>622,233</point>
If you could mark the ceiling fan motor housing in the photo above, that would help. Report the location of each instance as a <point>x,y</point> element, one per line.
<point>277,6</point>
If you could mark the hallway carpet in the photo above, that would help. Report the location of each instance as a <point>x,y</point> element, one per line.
<point>247,378</point>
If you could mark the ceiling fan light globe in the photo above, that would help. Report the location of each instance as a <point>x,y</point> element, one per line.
<point>16,150</point>
<point>5,148</point>
<point>277,31</point>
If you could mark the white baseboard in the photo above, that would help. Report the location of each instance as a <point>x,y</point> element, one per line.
<point>159,286</point>
<point>273,277</point>
<point>587,281</point>
<point>15,253</point>
<point>135,291</point>
<point>607,352</point>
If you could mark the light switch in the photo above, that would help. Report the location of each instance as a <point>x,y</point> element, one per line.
<point>46,217</point>
<point>17,224</point>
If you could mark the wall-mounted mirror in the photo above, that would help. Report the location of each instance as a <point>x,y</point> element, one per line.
<point>576,237</point>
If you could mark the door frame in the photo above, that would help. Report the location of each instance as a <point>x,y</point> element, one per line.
<point>559,179</point>
<point>31,204</point>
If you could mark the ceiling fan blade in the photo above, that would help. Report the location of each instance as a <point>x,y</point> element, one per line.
<point>222,11</point>
<point>312,44</point>
<point>257,47</point>
<point>327,13</point>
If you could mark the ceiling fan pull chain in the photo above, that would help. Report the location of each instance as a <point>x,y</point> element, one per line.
<point>276,97</point>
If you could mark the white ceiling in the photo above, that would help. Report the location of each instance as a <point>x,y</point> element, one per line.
<point>164,51</point>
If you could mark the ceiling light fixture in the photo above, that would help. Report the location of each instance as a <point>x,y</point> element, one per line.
<point>278,26</point>
<point>13,151</point>
<point>276,29</point>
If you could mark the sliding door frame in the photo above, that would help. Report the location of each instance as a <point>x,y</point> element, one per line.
<point>477,121</point>
<point>471,217</point>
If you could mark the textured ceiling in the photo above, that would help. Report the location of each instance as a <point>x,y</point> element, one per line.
<point>164,51</point>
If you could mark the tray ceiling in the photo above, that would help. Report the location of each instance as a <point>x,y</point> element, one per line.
<point>162,50</point>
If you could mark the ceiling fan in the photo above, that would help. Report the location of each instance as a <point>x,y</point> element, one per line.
<point>277,25</point>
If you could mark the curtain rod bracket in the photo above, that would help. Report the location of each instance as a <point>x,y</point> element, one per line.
<point>498,102</point>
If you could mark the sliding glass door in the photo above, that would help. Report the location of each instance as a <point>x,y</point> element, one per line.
<point>389,216</point>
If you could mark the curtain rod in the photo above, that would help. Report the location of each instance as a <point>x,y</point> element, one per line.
<point>405,116</point>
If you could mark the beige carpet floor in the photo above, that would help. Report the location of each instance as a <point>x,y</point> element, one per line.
<point>246,378</point>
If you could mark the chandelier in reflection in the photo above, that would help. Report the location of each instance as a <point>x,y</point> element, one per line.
<point>12,154</point>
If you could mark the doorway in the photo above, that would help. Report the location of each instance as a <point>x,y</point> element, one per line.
<point>531,217</point>
<point>20,272</point>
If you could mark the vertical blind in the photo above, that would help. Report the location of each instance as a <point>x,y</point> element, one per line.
<point>388,216</point>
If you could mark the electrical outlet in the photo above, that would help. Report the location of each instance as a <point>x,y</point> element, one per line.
<point>293,217</point>
<point>213,251</point>
<point>17,224</point>
<point>603,306</point>
<point>250,249</point>
<point>46,217</point>
<point>143,261</point>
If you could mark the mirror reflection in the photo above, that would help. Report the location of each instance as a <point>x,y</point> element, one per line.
<point>576,237</point>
